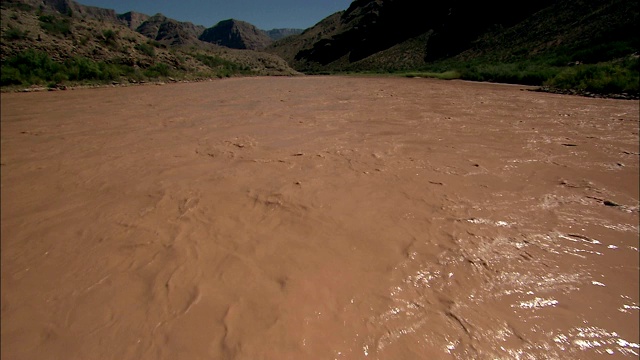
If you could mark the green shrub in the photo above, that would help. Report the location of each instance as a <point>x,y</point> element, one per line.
<point>213,61</point>
<point>157,70</point>
<point>602,78</point>
<point>10,76</point>
<point>53,25</point>
<point>222,67</point>
<point>514,73</point>
<point>109,37</point>
<point>82,69</point>
<point>29,67</point>
<point>157,44</point>
<point>110,72</point>
<point>32,67</point>
<point>145,49</point>
<point>445,75</point>
<point>15,34</point>
<point>21,6</point>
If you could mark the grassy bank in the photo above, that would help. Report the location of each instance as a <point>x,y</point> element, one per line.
<point>38,68</point>
<point>581,70</point>
<point>611,77</point>
<point>604,78</point>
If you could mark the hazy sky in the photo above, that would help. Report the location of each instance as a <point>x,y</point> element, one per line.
<point>265,14</point>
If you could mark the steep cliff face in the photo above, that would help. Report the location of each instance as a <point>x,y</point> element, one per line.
<point>236,34</point>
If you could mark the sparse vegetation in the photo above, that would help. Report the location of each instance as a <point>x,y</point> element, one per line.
<point>220,66</point>
<point>551,71</point>
<point>579,70</point>
<point>145,49</point>
<point>84,40</point>
<point>79,68</point>
<point>34,67</point>
<point>19,6</point>
<point>157,71</point>
<point>13,34</point>
<point>602,78</point>
<point>30,67</point>
<point>555,70</point>
<point>109,37</point>
<point>54,25</point>
<point>157,44</point>
<point>445,75</point>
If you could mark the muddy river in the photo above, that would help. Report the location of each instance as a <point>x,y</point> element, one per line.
<point>319,218</point>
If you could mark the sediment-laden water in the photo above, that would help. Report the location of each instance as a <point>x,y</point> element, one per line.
<point>319,218</point>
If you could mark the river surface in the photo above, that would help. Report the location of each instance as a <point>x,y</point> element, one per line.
<point>319,218</point>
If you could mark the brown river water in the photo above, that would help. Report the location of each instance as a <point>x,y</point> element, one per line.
<point>319,218</point>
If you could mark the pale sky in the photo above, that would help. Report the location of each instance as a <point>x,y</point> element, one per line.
<point>264,14</point>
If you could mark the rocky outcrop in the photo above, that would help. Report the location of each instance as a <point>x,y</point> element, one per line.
<point>236,34</point>
<point>133,19</point>
<point>168,31</point>
<point>70,8</point>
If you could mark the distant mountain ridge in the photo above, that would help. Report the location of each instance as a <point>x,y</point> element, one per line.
<point>236,34</point>
<point>277,34</point>
<point>230,33</point>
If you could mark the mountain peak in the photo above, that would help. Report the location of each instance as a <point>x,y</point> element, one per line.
<point>236,34</point>
<point>133,19</point>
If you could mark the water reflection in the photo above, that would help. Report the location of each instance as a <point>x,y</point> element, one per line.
<point>597,339</point>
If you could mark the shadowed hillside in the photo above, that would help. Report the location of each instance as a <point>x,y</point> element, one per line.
<point>528,43</point>
<point>370,26</point>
